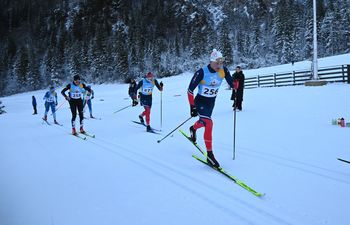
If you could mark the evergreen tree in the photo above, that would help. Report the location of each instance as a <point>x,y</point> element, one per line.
<point>226,44</point>
<point>2,108</point>
<point>22,68</point>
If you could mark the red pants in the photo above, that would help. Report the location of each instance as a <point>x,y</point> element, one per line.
<point>208,124</point>
<point>147,113</point>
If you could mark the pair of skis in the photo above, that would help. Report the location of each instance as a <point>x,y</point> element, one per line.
<point>83,136</point>
<point>219,169</point>
<point>153,131</point>
<point>48,123</point>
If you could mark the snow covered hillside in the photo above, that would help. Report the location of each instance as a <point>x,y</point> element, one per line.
<point>286,148</point>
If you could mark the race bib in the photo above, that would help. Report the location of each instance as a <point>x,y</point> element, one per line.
<point>76,95</point>
<point>208,91</point>
<point>147,91</point>
<point>50,99</point>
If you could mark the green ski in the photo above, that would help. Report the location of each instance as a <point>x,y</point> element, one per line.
<point>221,170</point>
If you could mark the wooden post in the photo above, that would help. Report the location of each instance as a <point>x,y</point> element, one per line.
<point>258,80</point>
<point>348,72</point>
<point>274,80</point>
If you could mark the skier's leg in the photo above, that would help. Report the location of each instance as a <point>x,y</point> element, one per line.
<point>208,134</point>
<point>80,111</point>
<point>90,107</point>
<point>53,110</point>
<point>73,108</point>
<point>148,114</point>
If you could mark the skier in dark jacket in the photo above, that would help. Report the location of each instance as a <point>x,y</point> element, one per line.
<point>208,80</point>
<point>133,91</point>
<point>76,91</point>
<point>237,95</point>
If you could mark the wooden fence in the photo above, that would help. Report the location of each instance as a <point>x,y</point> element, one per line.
<point>330,74</point>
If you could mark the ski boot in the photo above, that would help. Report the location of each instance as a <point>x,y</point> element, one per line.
<point>91,116</point>
<point>55,121</point>
<point>141,119</point>
<point>74,132</point>
<point>82,130</point>
<point>211,160</point>
<point>45,118</point>
<point>193,134</point>
<point>148,128</point>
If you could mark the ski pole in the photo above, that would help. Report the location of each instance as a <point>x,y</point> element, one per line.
<point>123,108</point>
<point>174,130</point>
<point>234,129</point>
<point>59,106</point>
<point>161,110</point>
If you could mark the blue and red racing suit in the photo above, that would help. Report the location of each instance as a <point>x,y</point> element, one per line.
<point>208,82</point>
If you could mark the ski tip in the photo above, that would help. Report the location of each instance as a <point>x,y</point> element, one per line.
<point>158,141</point>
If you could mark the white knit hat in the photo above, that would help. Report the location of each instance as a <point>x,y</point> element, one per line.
<point>215,55</point>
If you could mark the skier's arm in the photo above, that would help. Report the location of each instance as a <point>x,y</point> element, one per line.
<point>229,79</point>
<point>45,96</point>
<point>86,88</point>
<point>63,92</point>
<point>159,86</point>
<point>92,94</point>
<point>139,85</point>
<point>56,98</point>
<point>197,77</point>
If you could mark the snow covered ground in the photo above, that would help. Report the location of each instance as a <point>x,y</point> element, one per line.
<point>286,147</point>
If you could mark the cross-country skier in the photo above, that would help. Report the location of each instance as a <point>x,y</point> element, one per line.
<point>208,79</point>
<point>87,100</point>
<point>50,98</point>
<point>76,90</point>
<point>133,91</point>
<point>147,85</point>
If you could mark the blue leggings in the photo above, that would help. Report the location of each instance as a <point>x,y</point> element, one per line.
<point>53,108</point>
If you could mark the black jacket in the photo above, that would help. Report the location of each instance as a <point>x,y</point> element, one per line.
<point>132,88</point>
<point>240,77</point>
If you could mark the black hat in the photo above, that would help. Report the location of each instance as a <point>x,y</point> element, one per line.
<point>238,67</point>
<point>76,77</point>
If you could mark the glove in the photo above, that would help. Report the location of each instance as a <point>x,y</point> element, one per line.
<point>194,112</point>
<point>67,98</point>
<point>161,86</point>
<point>92,97</point>
<point>56,103</point>
<point>134,102</point>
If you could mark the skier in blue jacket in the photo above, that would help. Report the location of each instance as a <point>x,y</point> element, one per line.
<point>50,101</point>
<point>208,80</point>
<point>147,85</point>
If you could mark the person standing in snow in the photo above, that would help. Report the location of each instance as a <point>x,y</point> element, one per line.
<point>237,95</point>
<point>87,100</point>
<point>208,80</point>
<point>147,85</point>
<point>76,90</point>
<point>50,98</point>
<point>34,105</point>
<point>133,91</point>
